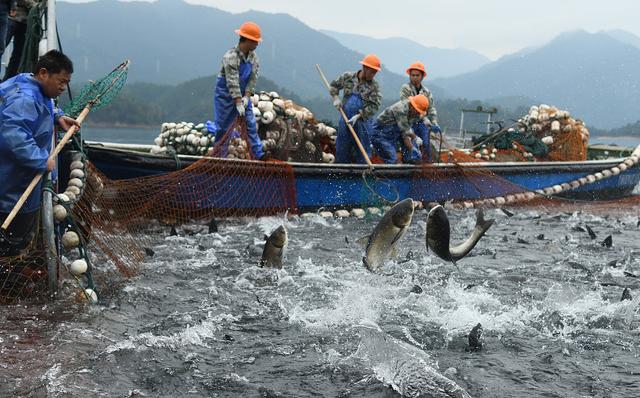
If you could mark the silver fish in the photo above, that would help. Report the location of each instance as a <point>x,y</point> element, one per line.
<point>274,248</point>
<point>438,235</point>
<point>382,241</point>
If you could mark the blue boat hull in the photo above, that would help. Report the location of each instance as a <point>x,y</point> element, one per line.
<point>348,186</point>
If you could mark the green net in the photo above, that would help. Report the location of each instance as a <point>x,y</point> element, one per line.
<point>96,94</point>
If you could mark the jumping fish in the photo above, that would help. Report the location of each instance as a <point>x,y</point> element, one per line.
<point>382,241</point>
<point>438,235</point>
<point>274,248</point>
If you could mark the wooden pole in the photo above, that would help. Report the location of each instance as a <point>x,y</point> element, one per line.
<point>37,178</point>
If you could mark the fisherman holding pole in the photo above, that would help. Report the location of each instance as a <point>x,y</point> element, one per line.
<point>360,101</point>
<point>235,85</point>
<point>27,118</point>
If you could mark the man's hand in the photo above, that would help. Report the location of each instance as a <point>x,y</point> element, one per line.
<point>51,163</point>
<point>354,119</point>
<point>435,128</point>
<point>407,142</point>
<point>13,13</point>
<point>336,101</point>
<point>240,108</point>
<point>66,122</point>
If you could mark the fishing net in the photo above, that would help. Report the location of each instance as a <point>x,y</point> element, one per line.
<point>99,93</point>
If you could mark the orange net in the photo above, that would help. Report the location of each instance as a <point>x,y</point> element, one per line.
<point>113,217</point>
<point>24,274</point>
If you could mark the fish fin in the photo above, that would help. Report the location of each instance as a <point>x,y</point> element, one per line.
<point>456,265</point>
<point>265,237</point>
<point>363,241</point>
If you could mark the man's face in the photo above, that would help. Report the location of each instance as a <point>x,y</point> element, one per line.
<point>53,84</point>
<point>252,45</point>
<point>368,73</point>
<point>415,76</point>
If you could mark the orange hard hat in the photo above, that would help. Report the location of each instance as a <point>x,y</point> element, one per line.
<point>372,61</point>
<point>417,66</point>
<point>250,30</point>
<point>420,103</point>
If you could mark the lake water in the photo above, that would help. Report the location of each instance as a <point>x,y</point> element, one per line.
<point>202,320</point>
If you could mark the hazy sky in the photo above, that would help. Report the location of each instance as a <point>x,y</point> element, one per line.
<point>491,27</point>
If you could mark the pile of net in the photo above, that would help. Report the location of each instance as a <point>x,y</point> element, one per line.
<point>288,131</point>
<point>545,133</point>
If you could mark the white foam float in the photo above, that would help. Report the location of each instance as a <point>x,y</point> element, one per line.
<point>91,295</point>
<point>359,213</point>
<point>59,213</point>
<point>70,240</point>
<point>78,267</point>
<point>341,214</point>
<point>76,182</point>
<point>615,171</point>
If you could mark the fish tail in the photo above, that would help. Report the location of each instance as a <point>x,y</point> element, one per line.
<point>481,223</point>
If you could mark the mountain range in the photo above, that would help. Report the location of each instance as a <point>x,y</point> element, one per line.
<point>170,42</point>
<point>593,75</point>
<point>397,53</point>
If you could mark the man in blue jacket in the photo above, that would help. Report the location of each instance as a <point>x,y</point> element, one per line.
<point>27,117</point>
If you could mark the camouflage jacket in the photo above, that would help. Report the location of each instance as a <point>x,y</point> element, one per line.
<point>231,71</point>
<point>398,114</point>
<point>409,90</point>
<point>349,83</point>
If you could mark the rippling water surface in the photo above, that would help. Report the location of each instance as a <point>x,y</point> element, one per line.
<point>203,320</point>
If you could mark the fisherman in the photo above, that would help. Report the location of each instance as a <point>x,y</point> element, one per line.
<point>17,30</point>
<point>27,117</point>
<point>417,73</point>
<point>360,101</point>
<point>235,85</point>
<point>394,125</point>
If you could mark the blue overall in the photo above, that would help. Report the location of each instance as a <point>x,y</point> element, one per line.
<point>26,132</point>
<point>225,112</point>
<point>387,137</point>
<point>421,131</point>
<point>346,148</point>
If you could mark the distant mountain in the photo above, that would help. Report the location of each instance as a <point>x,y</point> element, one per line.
<point>397,53</point>
<point>594,76</point>
<point>624,36</point>
<point>170,42</point>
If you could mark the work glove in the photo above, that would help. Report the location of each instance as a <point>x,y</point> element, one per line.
<point>436,129</point>
<point>240,108</point>
<point>336,101</point>
<point>245,101</point>
<point>414,156</point>
<point>354,119</point>
<point>419,142</point>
